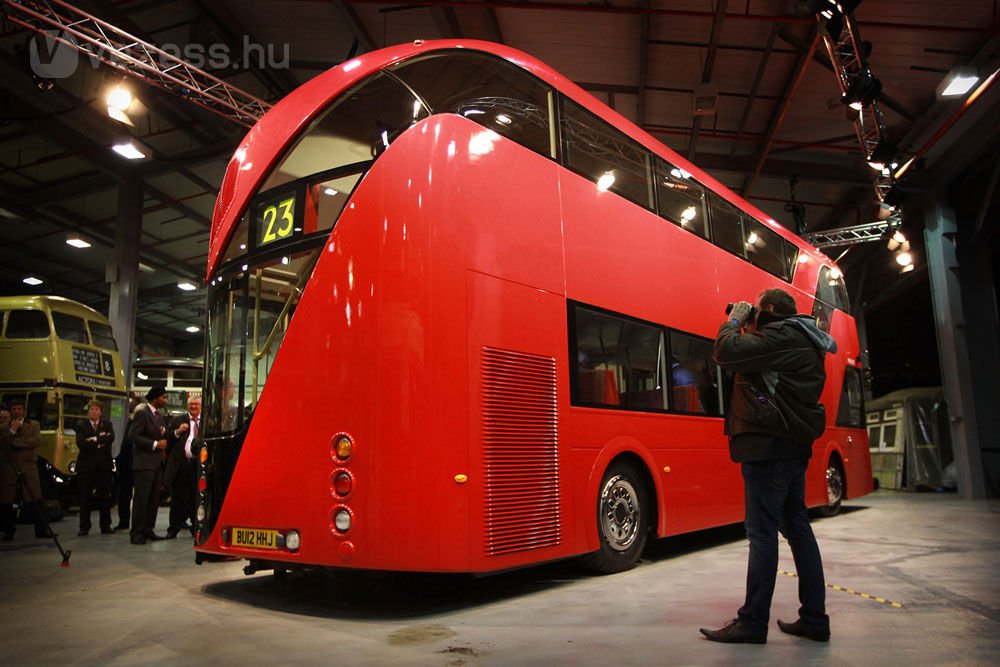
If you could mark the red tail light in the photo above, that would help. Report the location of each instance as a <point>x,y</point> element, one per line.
<point>342,483</point>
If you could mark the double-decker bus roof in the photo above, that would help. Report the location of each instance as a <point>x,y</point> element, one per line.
<point>50,302</point>
<point>283,124</point>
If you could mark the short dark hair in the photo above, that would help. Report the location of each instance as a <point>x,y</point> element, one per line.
<point>783,302</point>
<point>16,401</point>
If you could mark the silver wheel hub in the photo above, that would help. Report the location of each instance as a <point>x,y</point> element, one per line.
<point>834,485</point>
<point>619,513</point>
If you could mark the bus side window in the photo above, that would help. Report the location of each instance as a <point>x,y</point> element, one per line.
<point>694,375</point>
<point>34,406</point>
<point>27,324</point>
<point>765,248</point>
<point>727,227</point>
<point>791,259</point>
<point>69,327</point>
<point>680,199</point>
<point>619,361</point>
<point>74,409</point>
<point>850,411</point>
<point>602,154</point>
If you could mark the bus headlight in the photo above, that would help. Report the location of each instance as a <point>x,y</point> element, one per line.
<point>201,514</point>
<point>292,540</point>
<point>342,520</point>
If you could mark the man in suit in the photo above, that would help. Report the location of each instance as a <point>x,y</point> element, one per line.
<point>94,437</point>
<point>123,464</point>
<point>183,443</point>
<point>20,438</point>
<point>148,435</point>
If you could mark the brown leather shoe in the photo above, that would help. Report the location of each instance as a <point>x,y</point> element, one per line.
<point>801,629</point>
<point>734,632</point>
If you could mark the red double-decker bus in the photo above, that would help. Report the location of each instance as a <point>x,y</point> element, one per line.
<point>461,320</point>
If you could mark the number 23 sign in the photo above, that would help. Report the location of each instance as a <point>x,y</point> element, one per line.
<point>276,220</point>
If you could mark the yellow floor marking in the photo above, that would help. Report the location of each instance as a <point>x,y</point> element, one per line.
<point>897,605</point>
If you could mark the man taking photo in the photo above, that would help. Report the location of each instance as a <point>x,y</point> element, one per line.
<point>773,418</point>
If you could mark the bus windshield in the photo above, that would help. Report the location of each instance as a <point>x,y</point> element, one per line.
<point>249,313</point>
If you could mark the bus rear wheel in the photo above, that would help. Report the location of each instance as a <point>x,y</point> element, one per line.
<point>834,488</point>
<point>623,515</point>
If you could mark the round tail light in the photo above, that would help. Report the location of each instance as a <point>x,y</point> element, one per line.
<point>342,483</point>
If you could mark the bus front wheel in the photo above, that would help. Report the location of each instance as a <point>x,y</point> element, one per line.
<point>834,488</point>
<point>623,515</point>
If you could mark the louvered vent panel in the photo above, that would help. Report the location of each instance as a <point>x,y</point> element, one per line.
<point>520,451</point>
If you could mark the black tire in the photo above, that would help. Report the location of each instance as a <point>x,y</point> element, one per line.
<point>623,516</point>
<point>834,488</point>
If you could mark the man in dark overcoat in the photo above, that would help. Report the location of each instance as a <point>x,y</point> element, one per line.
<point>148,434</point>
<point>94,438</point>
<point>183,445</point>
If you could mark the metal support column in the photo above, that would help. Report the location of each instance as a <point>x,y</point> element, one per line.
<point>953,349</point>
<point>123,274</point>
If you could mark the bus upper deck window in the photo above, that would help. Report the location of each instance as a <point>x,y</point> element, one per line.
<point>359,125</point>
<point>28,324</point>
<point>490,91</point>
<point>70,327</point>
<point>680,198</point>
<point>102,335</point>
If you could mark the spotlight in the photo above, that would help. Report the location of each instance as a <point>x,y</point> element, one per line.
<point>119,98</point>
<point>882,155</point>
<point>42,83</point>
<point>896,240</point>
<point>862,90</point>
<point>904,259</point>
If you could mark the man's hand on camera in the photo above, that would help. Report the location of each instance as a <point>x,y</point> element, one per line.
<point>740,313</point>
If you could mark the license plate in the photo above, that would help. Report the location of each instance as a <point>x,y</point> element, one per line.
<point>255,538</point>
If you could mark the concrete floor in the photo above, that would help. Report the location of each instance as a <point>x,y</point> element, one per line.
<point>119,604</point>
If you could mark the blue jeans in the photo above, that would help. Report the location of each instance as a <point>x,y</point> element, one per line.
<point>775,493</point>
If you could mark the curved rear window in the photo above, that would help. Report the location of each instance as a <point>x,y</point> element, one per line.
<point>488,90</point>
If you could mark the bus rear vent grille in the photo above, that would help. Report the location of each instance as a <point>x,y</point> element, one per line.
<point>520,451</point>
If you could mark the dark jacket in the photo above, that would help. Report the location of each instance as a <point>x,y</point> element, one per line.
<point>94,454</point>
<point>147,427</point>
<point>779,377</point>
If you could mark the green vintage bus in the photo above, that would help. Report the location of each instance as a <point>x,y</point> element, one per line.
<point>58,355</point>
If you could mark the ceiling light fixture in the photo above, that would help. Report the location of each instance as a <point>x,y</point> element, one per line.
<point>186,286</point>
<point>130,150</point>
<point>32,280</point>
<point>76,241</point>
<point>193,329</point>
<point>959,81</point>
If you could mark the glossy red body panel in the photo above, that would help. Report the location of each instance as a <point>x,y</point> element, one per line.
<point>443,251</point>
